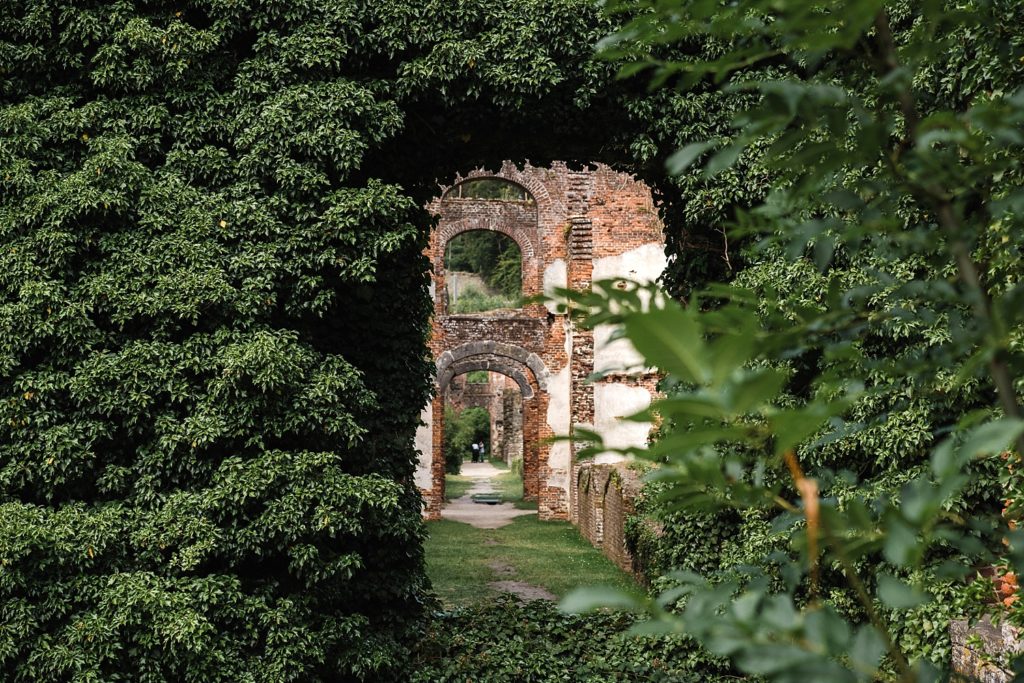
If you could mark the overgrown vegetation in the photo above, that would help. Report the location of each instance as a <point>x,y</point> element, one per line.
<point>478,377</point>
<point>493,256</point>
<point>474,300</point>
<point>213,304</point>
<point>835,418</point>
<point>507,642</point>
<point>462,429</point>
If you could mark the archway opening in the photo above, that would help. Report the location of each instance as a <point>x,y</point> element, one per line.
<point>483,430</point>
<point>497,189</point>
<point>483,272</point>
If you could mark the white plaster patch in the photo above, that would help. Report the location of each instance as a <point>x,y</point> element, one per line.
<point>643,264</point>
<point>559,418</point>
<point>559,480</point>
<point>555,276</point>
<point>612,402</point>
<point>425,445</point>
<point>432,289</point>
<point>617,355</point>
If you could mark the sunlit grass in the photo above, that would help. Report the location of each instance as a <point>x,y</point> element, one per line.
<point>462,560</point>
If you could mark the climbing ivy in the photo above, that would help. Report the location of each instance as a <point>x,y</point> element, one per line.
<point>213,301</point>
<point>510,642</point>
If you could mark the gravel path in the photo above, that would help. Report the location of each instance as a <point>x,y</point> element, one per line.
<point>481,515</point>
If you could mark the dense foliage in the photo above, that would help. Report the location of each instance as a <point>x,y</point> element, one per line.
<point>491,255</point>
<point>832,415</point>
<point>509,642</point>
<point>462,429</point>
<point>214,305</point>
<point>212,321</point>
<point>203,472</point>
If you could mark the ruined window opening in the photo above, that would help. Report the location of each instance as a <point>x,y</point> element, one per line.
<point>490,188</point>
<point>483,272</point>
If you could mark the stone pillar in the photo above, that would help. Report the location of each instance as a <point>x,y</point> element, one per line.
<point>435,499</point>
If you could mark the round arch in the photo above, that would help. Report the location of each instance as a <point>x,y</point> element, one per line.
<point>479,363</point>
<point>463,181</point>
<point>528,177</point>
<point>492,223</point>
<point>525,367</point>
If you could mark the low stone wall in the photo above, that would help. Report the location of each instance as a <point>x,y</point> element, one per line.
<point>981,651</point>
<point>604,500</point>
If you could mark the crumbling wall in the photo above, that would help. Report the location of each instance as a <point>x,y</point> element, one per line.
<point>577,225</point>
<point>605,501</point>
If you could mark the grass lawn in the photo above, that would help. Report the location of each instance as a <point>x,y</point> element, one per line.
<point>462,560</point>
<point>456,486</point>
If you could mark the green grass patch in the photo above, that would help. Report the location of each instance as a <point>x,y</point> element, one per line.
<point>456,486</point>
<point>462,560</point>
<point>509,485</point>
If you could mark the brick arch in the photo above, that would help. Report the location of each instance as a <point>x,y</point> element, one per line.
<point>584,222</point>
<point>527,177</point>
<point>525,367</point>
<point>517,234</point>
<point>492,365</point>
<point>527,370</point>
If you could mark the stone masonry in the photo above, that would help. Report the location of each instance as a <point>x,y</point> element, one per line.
<point>577,226</point>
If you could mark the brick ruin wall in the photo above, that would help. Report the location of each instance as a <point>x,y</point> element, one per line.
<point>578,226</point>
<point>981,651</point>
<point>605,500</point>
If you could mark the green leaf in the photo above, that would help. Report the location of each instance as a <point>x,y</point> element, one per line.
<point>898,595</point>
<point>991,438</point>
<point>670,338</point>
<point>588,599</point>
<point>723,160</point>
<point>867,649</point>
<point>683,158</point>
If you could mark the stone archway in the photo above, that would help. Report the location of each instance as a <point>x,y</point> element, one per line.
<point>523,368</point>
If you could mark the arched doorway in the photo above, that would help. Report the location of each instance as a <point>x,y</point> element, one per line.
<point>483,423</point>
<point>526,370</point>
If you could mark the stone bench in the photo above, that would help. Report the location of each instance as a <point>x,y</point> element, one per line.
<point>486,498</point>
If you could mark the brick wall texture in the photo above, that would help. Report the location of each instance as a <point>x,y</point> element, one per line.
<point>605,499</point>
<point>981,651</point>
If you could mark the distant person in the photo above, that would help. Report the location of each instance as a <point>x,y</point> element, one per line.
<point>482,451</point>
<point>476,453</point>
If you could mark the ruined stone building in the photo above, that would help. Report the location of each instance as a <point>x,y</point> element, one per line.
<point>573,227</point>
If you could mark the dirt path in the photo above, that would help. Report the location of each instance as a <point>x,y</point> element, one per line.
<point>480,515</point>
<point>483,516</point>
